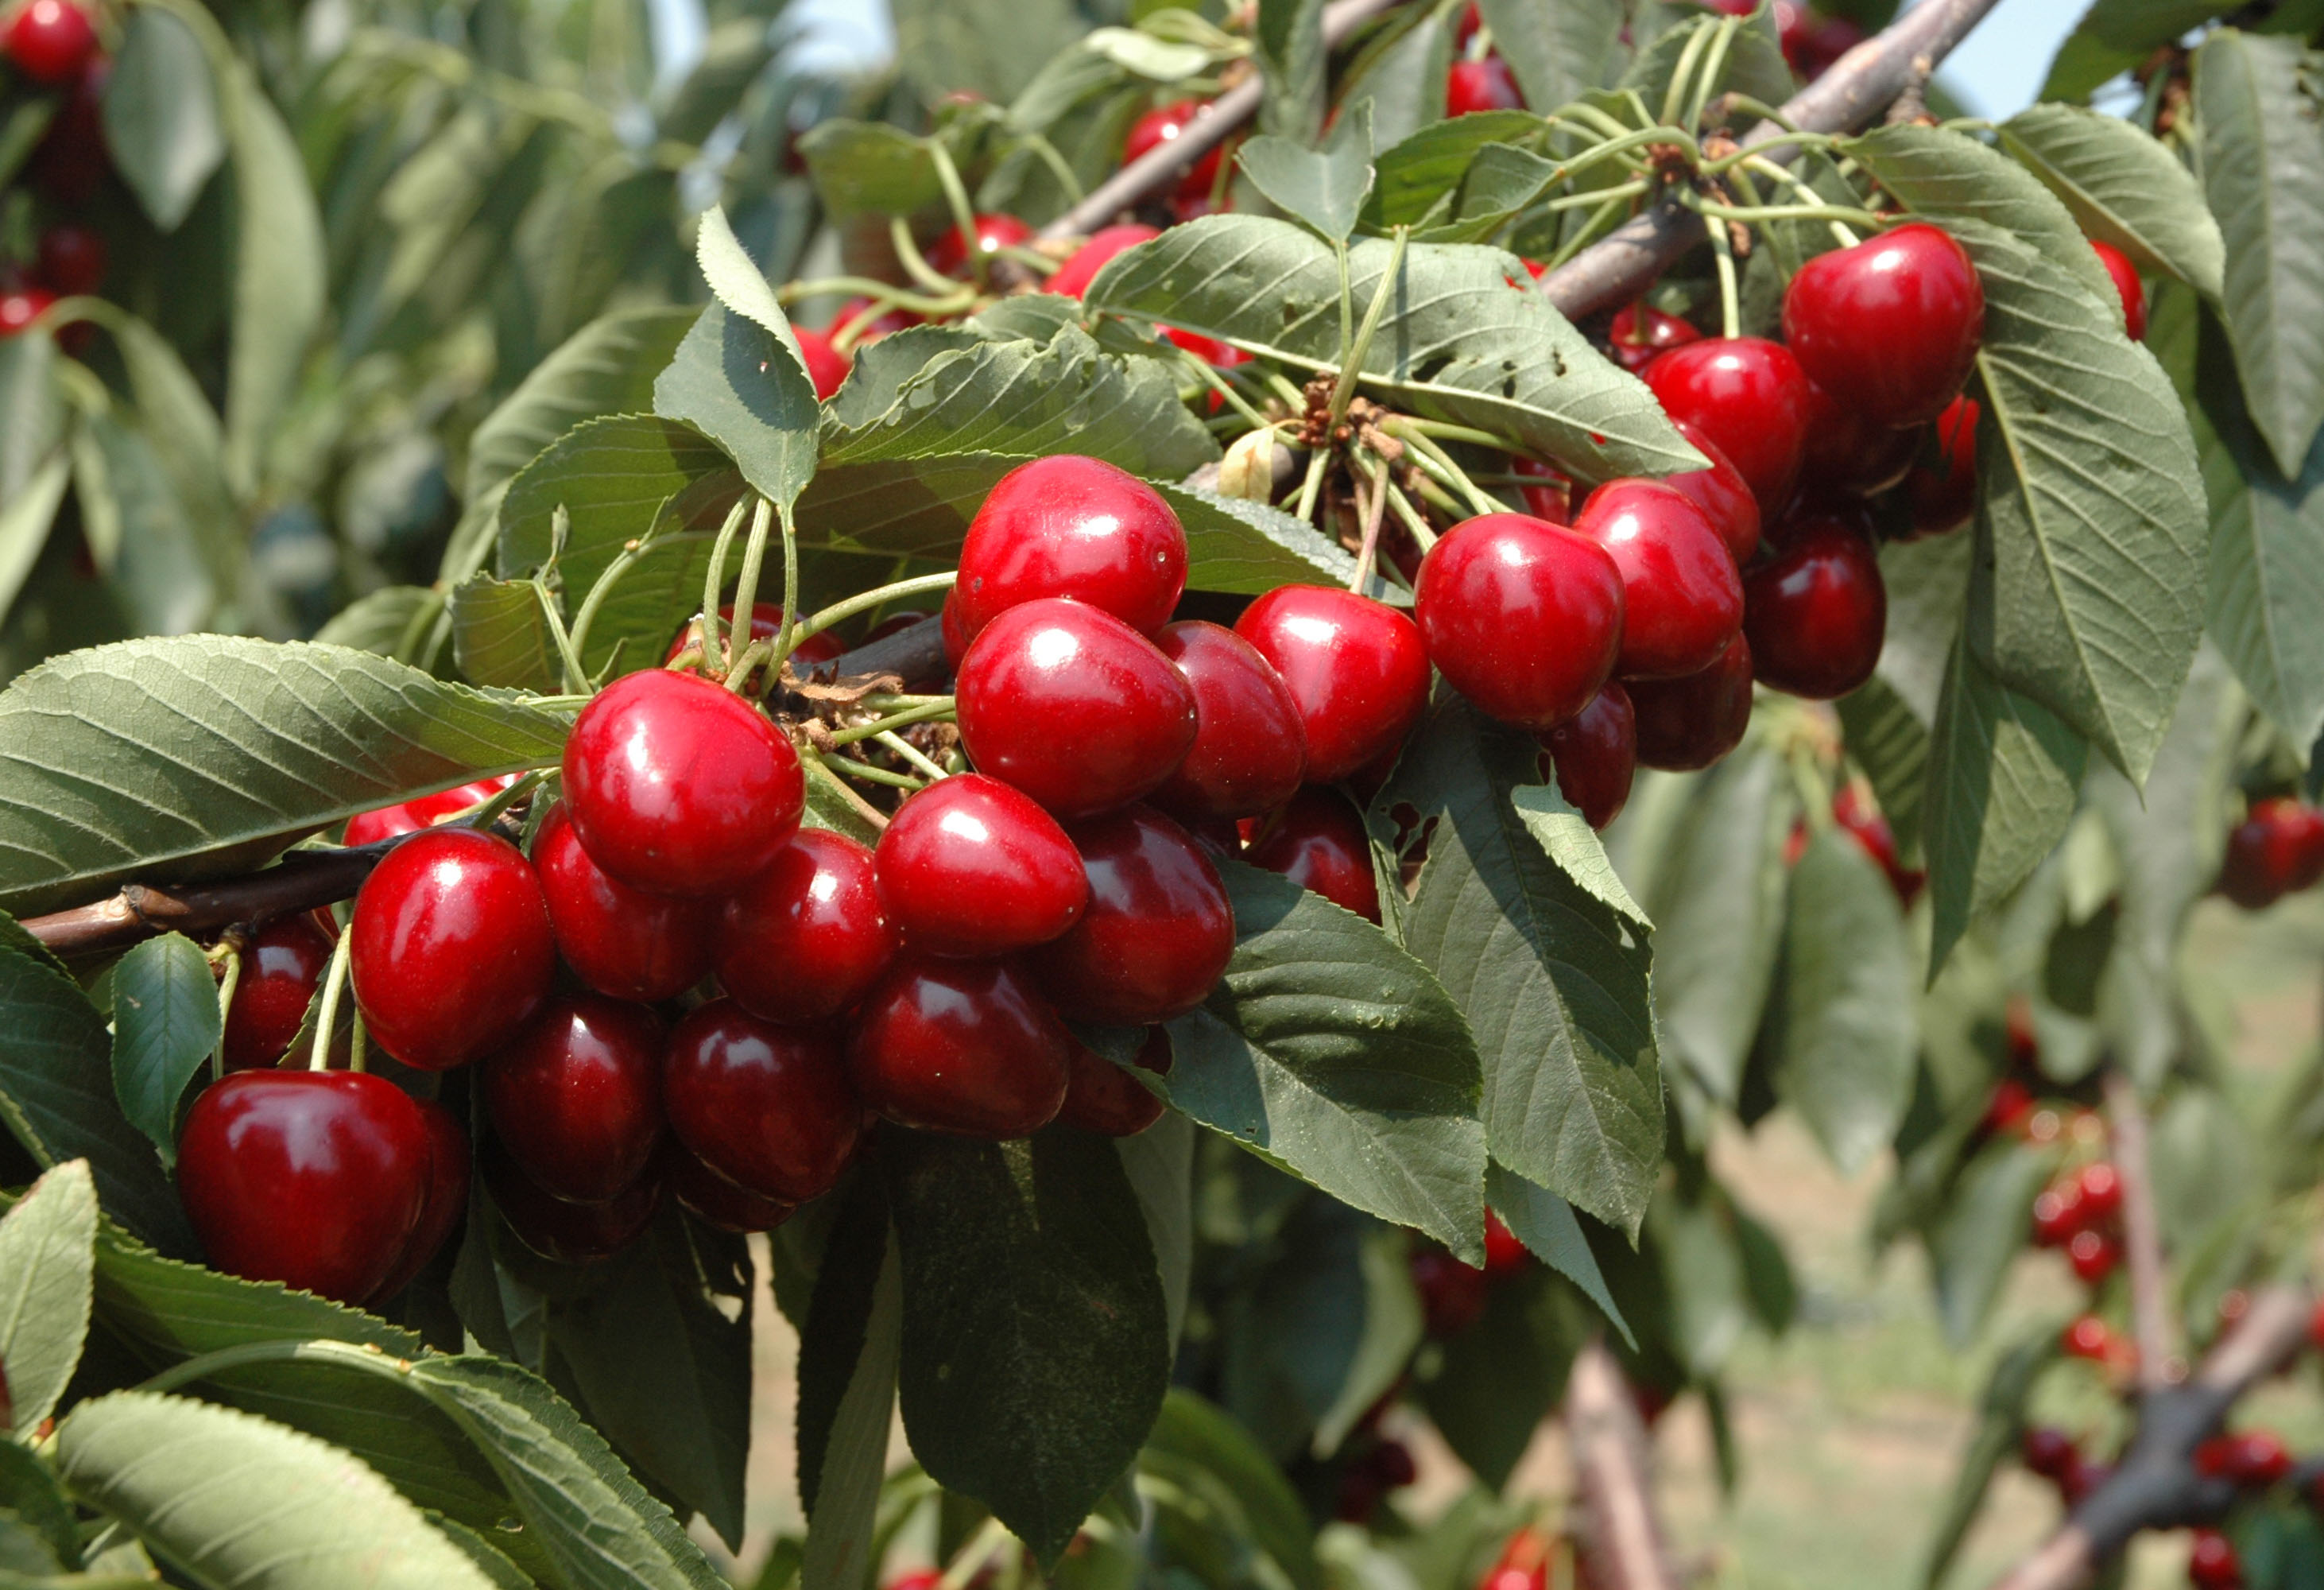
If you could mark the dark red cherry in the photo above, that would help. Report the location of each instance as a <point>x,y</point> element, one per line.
<point>1848,451</point>
<point>1162,125</point>
<point>50,41</point>
<point>2213,1564</point>
<point>576,1097</point>
<point>1212,351</point>
<point>712,1199</point>
<point>678,785</point>
<point>446,1203</point>
<point>1073,706</point>
<point>993,232</point>
<point>1357,670</point>
<point>424,811</point>
<point>964,1047</point>
<point>885,323</point>
<point>1597,756</point>
<point>282,966</point>
<point>1749,397</point>
<point>1816,613</point>
<point>1524,617</point>
<point>622,941</point>
<point>1081,267</point>
<point>1318,842</point>
<point>1721,493</point>
<point>452,950</point>
<point>562,1230</point>
<point>313,1178</point>
<point>2092,1256</point>
<point>826,367</point>
<point>896,622</point>
<point>1482,85</point>
<point>1102,1097</point>
<point>1553,500</point>
<point>1869,829</point>
<point>1691,723</point>
<point>1681,599</point>
<point>970,866</point>
<point>1640,331</point>
<point>1250,749</point>
<point>766,1106</point>
<point>1452,1293</point>
<point>2046,1450</point>
<point>1890,326</point>
<point>1943,492</point>
<point>71,161</point>
<point>1505,1253</point>
<point>804,939</point>
<point>72,259</point>
<point>1158,930</point>
<point>1076,527</point>
<point>2276,850</point>
<point>2127,283</point>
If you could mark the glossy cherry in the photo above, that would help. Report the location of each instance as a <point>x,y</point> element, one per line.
<point>2276,850</point>
<point>712,1199</point>
<point>1848,452</point>
<point>576,1097</point>
<point>1357,670</point>
<point>557,1229</point>
<point>2126,285</point>
<point>1162,125</point>
<point>452,950</point>
<point>2212,1563</point>
<point>1640,331</point>
<point>50,41</point>
<point>1073,706</point>
<point>1068,526</point>
<point>424,811</point>
<point>71,259</point>
<point>826,367</point>
<point>678,785</point>
<point>1681,599</point>
<point>282,966</point>
<point>972,866</point>
<point>1816,614</point>
<point>1318,842</point>
<point>1472,85</point>
<point>1102,1097</point>
<point>803,939</point>
<point>1691,723</point>
<point>1750,398</point>
<point>20,307</point>
<point>2092,1255</point>
<point>766,1106</point>
<point>1890,326</point>
<point>1158,930</point>
<point>1251,749</point>
<point>1721,493</point>
<point>1081,267</point>
<point>446,1203</point>
<point>962,1047</point>
<point>1553,500</point>
<point>993,232</point>
<point>313,1178</point>
<point>1524,617</point>
<point>1596,756</point>
<point>622,941</point>
<point>1940,488</point>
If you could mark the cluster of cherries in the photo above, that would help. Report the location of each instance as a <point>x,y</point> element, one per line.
<point>2249,1461</point>
<point>2278,849</point>
<point>1453,1292</point>
<point>53,44</point>
<point>2081,1213</point>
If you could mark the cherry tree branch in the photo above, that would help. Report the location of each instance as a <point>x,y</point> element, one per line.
<point>2142,1235</point>
<point>1624,1547</point>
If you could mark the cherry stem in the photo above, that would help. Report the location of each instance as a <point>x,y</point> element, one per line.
<point>577,676</point>
<point>909,753</point>
<point>746,595</point>
<point>916,263</point>
<point>1730,298</point>
<point>1343,391</point>
<point>884,295</point>
<point>1417,523</point>
<point>714,649</point>
<point>840,612</point>
<point>1759,163</point>
<point>1219,384</point>
<point>327,1013</point>
<point>872,775</point>
<point>1374,509</point>
<point>963,214</point>
<point>1434,460</point>
<point>1754,214</point>
<point>1714,60</point>
<point>229,974</point>
<point>941,708</point>
<point>1313,485</point>
<point>485,814</point>
<point>1682,74</point>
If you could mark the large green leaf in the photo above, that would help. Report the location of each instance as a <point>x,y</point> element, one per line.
<point>1520,915</point>
<point>740,384</point>
<point>25,521</point>
<point>161,121</point>
<point>869,168</point>
<point>1500,1377</point>
<point>1326,189</point>
<point>206,753</point>
<point>1159,1163</point>
<point>1982,1233</point>
<point>1402,78</point>
<point>1199,1460</point>
<point>47,1255</point>
<point>236,1501</point>
<point>853,1458</point>
<point>500,634</point>
<point>2125,188</point>
<point>1035,1350</point>
<point>1331,1052</point>
<point>279,278</point>
<point>2264,173</point>
<point>165,1023</point>
<point>1292,57</point>
<point>161,567</point>
<point>1413,175</point>
<point>1560,50</point>
<point>2115,35</point>
<point>989,47</point>
<point>392,621</point>
<point>1457,343</point>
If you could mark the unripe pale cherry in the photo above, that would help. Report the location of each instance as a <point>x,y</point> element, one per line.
<point>1357,670</point>
<point>806,938</point>
<point>1690,722</point>
<point>1681,599</point>
<point>1069,526</point>
<point>962,1047</point>
<point>1890,326</point>
<point>1750,398</point>
<point>451,950</point>
<point>1250,749</point>
<point>972,866</point>
<point>1523,617</point>
<point>1158,930</point>
<point>621,941</point>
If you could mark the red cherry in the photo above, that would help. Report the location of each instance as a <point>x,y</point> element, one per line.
<point>282,966</point>
<point>575,1098</point>
<point>1640,331</point>
<point>1721,493</point>
<point>955,640</point>
<point>970,866</point>
<point>1318,842</point>
<point>313,1178</point>
<point>1869,829</point>
<point>2128,284</point>
<point>1597,756</point>
<point>1504,1253</point>
<point>1068,526</point>
<point>1073,706</point>
<point>1357,670</point>
<point>2046,1450</point>
<point>1890,326</point>
<point>424,811</point>
<point>1158,932</point>
<point>1081,267</point>
<point>766,1106</point>
<point>712,1199</point>
<point>566,1232</point>
<point>1750,398</point>
<point>1816,614</point>
<point>1217,354</point>
<point>2099,1187</point>
<point>678,785</point>
<point>2007,1106</point>
<point>2256,1459</point>
<point>446,1203</point>
<point>1524,617</point>
<point>1163,125</point>
<point>2082,1477</point>
<point>2092,1256</point>
<point>22,306</point>
<point>1482,85</point>
<point>1848,452</point>
<point>826,367</point>
<point>50,41</point>
<point>2088,1336</point>
<point>2212,1563</point>
<point>964,1047</point>
<point>70,162</point>
<point>1250,749</point>
<point>1681,599</point>
<point>622,941</point>
<point>1551,502</point>
<point>993,234</point>
<point>1452,1294</point>
<point>452,950</point>
<point>1102,1097</point>
<point>2277,850</point>
<point>72,259</point>
<point>1944,493</point>
<point>1691,723</point>
<point>2058,1215</point>
<point>806,938</point>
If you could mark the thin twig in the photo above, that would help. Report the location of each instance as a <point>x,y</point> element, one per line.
<point>2142,1234</point>
<point>1625,1547</point>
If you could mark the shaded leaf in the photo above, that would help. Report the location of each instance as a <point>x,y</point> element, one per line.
<point>280,277</point>
<point>500,635</point>
<point>840,1535</point>
<point>2115,35</point>
<point>1289,34</point>
<point>1980,1234</point>
<point>869,168</point>
<point>47,1255</point>
<point>1326,189</point>
<point>165,1024</point>
<point>2124,187</point>
<point>1547,1225</point>
<point>1560,50</point>
<point>1503,1375</point>
<point>1199,1452</point>
<point>25,524</point>
<point>738,384</point>
<point>161,121</point>
<point>2000,1421</point>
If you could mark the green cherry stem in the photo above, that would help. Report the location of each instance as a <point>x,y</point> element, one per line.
<point>1730,298</point>
<point>872,775</point>
<point>916,263</point>
<point>894,720</point>
<point>1313,485</point>
<point>963,214</point>
<point>327,1013</point>
<point>714,650</point>
<point>840,612</point>
<point>1375,508</point>
<point>746,593</point>
<point>909,753</point>
<point>1343,392</point>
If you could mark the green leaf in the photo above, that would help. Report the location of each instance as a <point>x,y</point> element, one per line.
<point>1403,82</point>
<point>990,47</point>
<point>1413,175</point>
<point>1504,1375</point>
<point>161,121</point>
<point>1547,1225</point>
<point>47,1255</point>
<point>2263,163</point>
<point>163,570</point>
<point>1332,1053</point>
<point>165,1024</point>
<point>854,1457</point>
<point>203,754</point>
<point>56,1096</point>
<point>1560,50</point>
<point>1980,1234</point>
<point>736,51</point>
<point>234,1500</point>
<point>1326,189</point>
<point>175,415</point>
<point>280,273</point>
<point>1846,1040</point>
<point>500,635</point>
<point>731,381</point>
<point>24,524</point>
<point>1890,742</point>
<point>2115,35</point>
<point>833,1338</point>
<point>1549,970</point>
<point>2124,187</point>
<point>32,410</point>
<point>1035,1350</point>
<point>1753,64</point>
<point>869,168</point>
<point>1458,343</point>
<point>1295,1333</point>
<point>1200,1452</point>
<point>1236,545</point>
<point>1701,1265</point>
<point>1393,1325</point>
<point>392,621</point>
<point>780,457</point>
<point>1292,57</point>
<point>1159,1163</point>
<point>30,1490</point>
